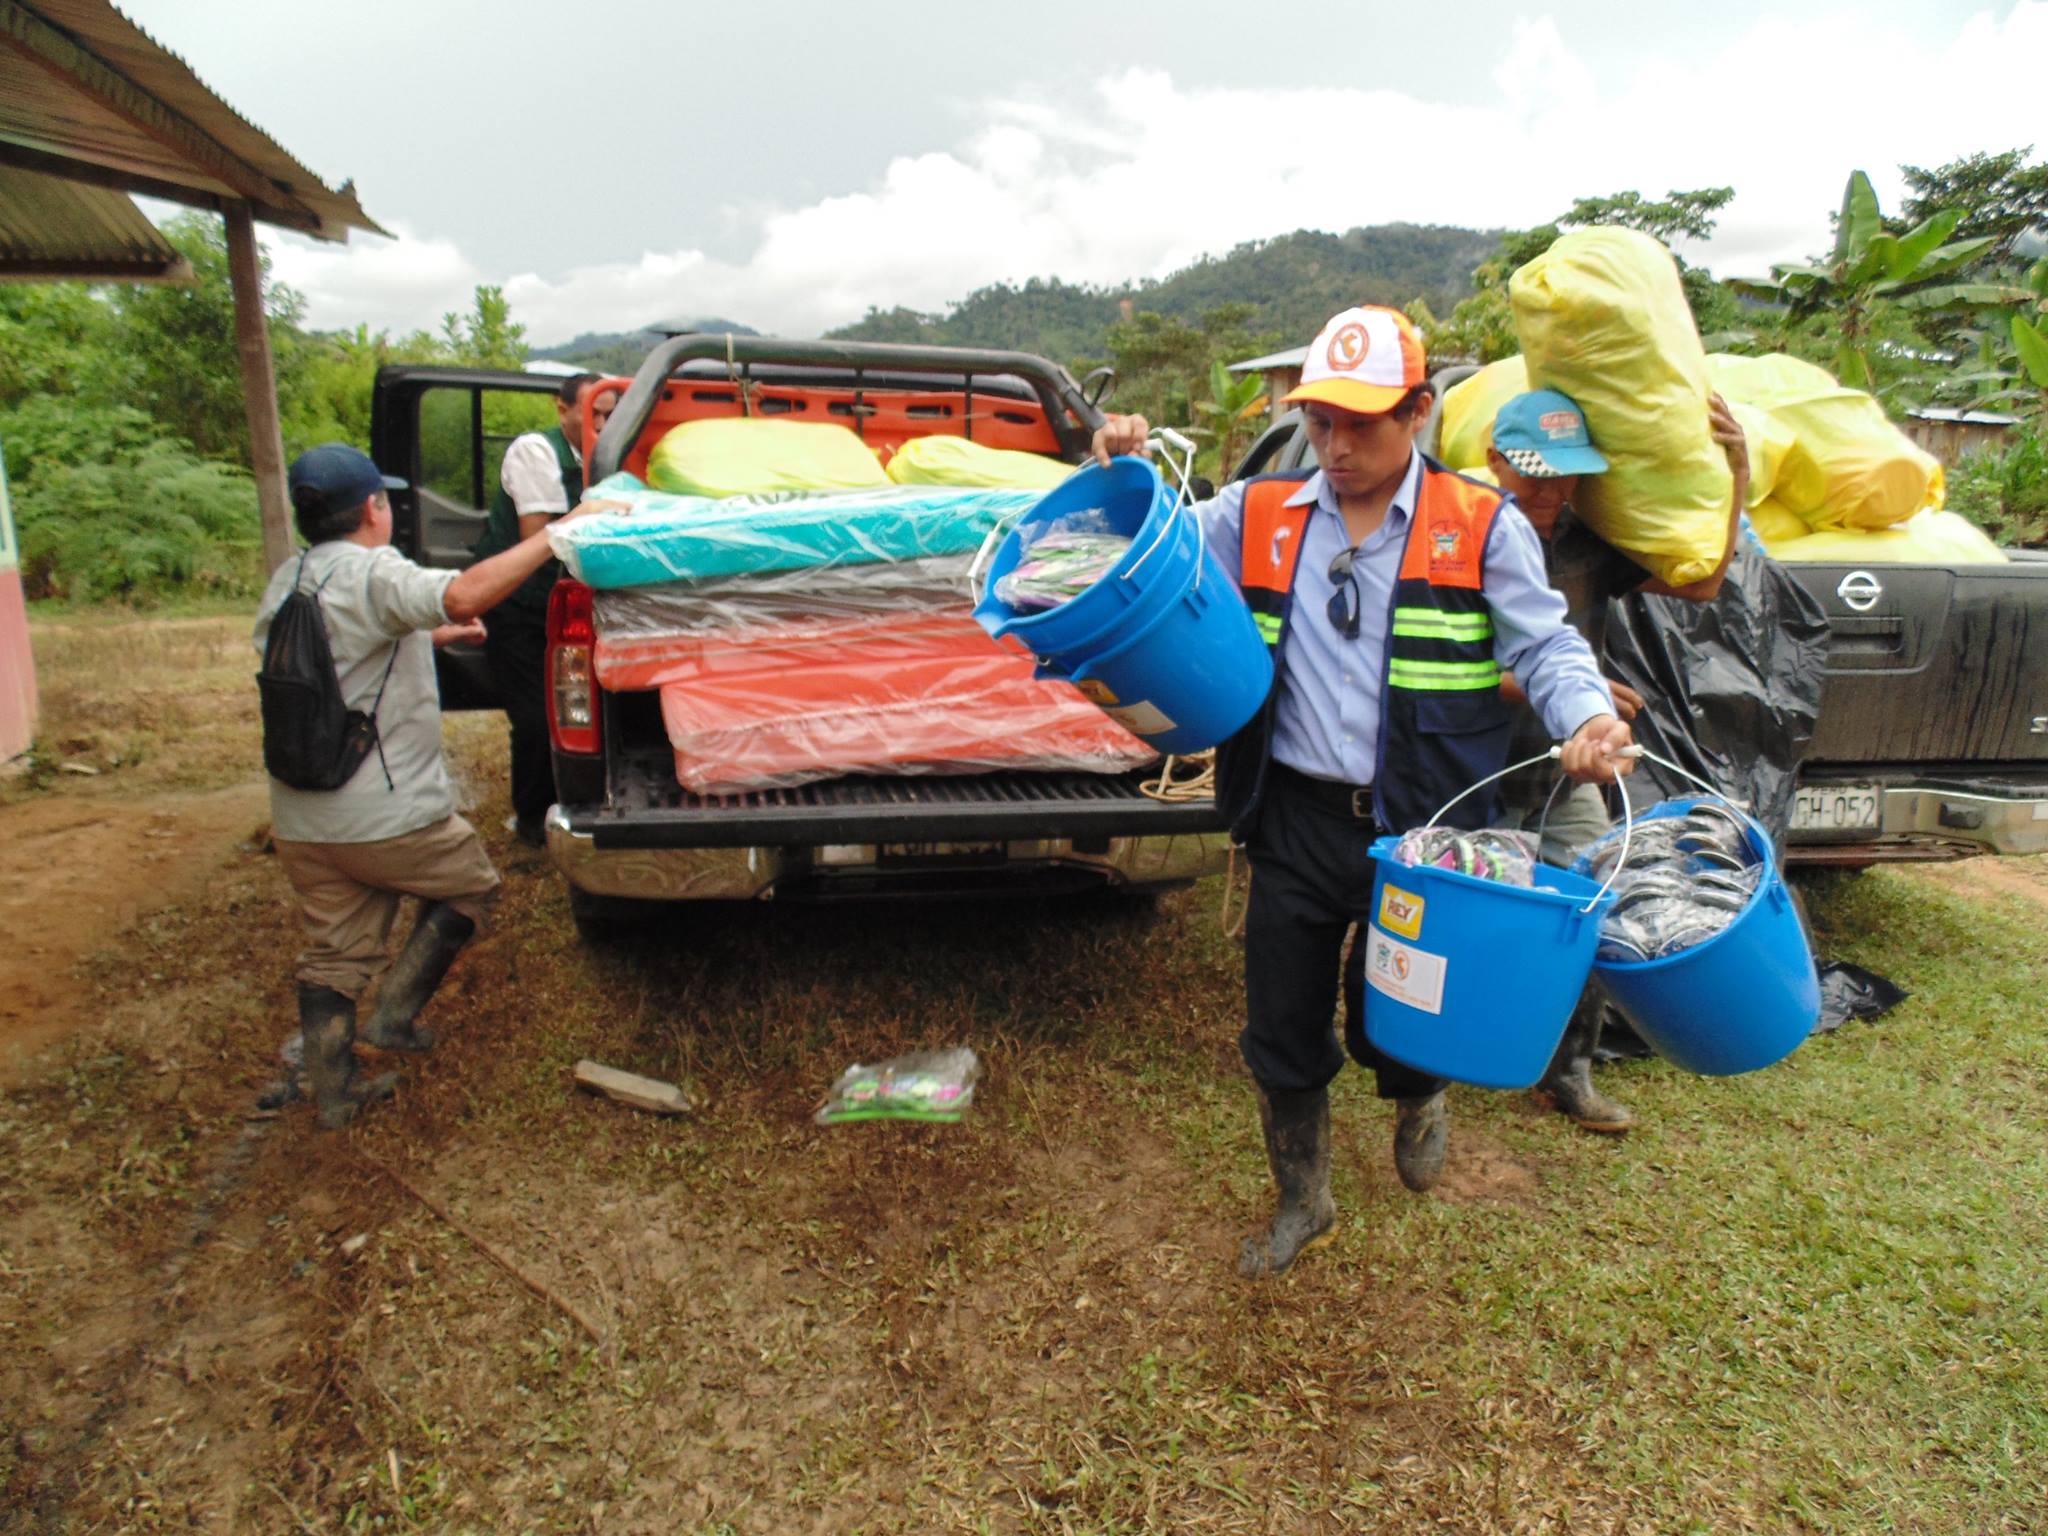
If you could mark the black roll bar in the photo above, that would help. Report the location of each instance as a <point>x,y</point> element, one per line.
<point>1055,388</point>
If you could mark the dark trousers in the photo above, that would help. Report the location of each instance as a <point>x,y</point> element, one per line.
<point>1311,884</point>
<point>516,646</point>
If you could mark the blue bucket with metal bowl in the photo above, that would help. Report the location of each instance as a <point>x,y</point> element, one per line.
<point>1738,1000</point>
<point>1163,642</point>
<point>1472,979</point>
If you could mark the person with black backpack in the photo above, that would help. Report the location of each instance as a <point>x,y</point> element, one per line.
<point>362,809</point>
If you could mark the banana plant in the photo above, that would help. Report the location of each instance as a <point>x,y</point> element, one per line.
<point>2027,337</point>
<point>1870,267</point>
<point>1234,406</point>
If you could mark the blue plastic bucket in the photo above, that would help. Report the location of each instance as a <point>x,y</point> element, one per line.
<point>1163,642</point>
<point>1741,1000</point>
<point>1471,979</point>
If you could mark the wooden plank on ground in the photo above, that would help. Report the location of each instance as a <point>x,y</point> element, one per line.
<point>630,1088</point>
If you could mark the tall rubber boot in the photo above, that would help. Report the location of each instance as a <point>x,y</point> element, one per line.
<point>436,940</point>
<point>1568,1081</point>
<point>1297,1127</point>
<point>1422,1129</point>
<point>328,1018</point>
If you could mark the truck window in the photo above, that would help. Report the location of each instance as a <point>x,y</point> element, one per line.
<point>463,433</point>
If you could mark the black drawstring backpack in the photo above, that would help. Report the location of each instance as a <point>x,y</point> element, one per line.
<point>311,738</point>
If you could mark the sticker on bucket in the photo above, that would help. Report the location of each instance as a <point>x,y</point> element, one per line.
<point>1401,911</point>
<point>1096,691</point>
<point>1403,972</point>
<point>1141,718</point>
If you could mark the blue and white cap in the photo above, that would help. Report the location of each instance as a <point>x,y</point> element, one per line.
<point>1543,435</point>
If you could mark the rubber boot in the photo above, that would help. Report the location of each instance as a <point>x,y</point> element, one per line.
<point>1297,1127</point>
<point>1422,1128</point>
<point>1568,1081</point>
<point>329,1021</point>
<point>436,940</point>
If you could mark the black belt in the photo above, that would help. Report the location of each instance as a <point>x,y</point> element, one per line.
<point>1351,801</point>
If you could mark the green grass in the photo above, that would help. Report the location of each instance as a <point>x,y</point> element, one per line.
<point>1805,1300</point>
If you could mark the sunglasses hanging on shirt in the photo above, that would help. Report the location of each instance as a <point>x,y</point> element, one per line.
<point>1345,602</point>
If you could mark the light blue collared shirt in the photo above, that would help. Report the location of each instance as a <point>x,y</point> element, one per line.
<point>1327,717</point>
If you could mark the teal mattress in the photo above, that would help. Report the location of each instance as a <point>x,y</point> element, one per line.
<point>666,538</point>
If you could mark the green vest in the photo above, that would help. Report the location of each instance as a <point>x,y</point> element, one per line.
<point>501,532</point>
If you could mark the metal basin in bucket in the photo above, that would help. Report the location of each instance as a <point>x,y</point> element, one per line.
<point>1735,1002</point>
<point>1163,642</point>
<point>1472,979</point>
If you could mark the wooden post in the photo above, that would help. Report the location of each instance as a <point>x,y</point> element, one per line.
<point>259,385</point>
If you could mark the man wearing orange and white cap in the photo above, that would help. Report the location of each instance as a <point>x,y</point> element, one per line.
<point>1393,594</point>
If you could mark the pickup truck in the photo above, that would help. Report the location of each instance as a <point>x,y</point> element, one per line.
<point>1932,741</point>
<point>624,832</point>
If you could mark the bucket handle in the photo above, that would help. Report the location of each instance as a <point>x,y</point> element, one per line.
<point>997,531</point>
<point>1183,472</point>
<point>1551,756</point>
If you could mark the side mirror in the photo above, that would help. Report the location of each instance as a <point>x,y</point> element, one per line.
<point>1099,386</point>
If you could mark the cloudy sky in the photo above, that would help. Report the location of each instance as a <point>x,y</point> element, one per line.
<point>615,162</point>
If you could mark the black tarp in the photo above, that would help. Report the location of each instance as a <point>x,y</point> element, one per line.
<point>1731,687</point>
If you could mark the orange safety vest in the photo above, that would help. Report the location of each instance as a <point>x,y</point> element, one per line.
<point>1443,724</point>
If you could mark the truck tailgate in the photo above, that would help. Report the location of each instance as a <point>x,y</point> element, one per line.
<point>1933,665</point>
<point>646,808</point>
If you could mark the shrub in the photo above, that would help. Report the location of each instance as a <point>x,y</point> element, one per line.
<point>2006,492</point>
<point>139,525</point>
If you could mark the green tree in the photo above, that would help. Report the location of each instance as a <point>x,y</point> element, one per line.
<point>1233,410</point>
<point>1999,196</point>
<point>485,337</point>
<point>1872,276</point>
<point>176,345</point>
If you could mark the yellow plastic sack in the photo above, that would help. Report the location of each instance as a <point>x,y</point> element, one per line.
<point>1601,316</point>
<point>1926,538</point>
<point>1768,440</point>
<point>1466,429</point>
<point>956,461</point>
<point>1848,466</point>
<point>742,456</point>
<point>1775,522</point>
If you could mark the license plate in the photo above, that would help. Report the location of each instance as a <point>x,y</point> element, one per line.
<point>1847,808</point>
<point>940,853</point>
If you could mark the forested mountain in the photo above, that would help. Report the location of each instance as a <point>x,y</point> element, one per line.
<point>1293,283</point>
<point>621,351</point>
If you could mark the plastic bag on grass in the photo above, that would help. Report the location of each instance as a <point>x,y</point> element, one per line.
<point>1602,316</point>
<point>923,1085</point>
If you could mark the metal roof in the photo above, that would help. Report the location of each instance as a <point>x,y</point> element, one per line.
<point>88,96</point>
<point>1293,357</point>
<point>1963,417</point>
<point>53,228</point>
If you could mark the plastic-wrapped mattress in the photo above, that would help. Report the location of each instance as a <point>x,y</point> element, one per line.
<point>924,695</point>
<point>665,538</point>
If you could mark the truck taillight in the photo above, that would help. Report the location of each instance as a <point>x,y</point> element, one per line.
<point>573,719</point>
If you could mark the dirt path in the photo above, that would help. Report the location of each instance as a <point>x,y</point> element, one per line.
<point>77,870</point>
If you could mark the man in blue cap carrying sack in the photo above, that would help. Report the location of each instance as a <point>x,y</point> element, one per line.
<point>1541,448</point>
<point>1392,594</point>
<point>353,850</point>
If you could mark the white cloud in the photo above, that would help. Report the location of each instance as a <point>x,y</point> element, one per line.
<point>1136,176</point>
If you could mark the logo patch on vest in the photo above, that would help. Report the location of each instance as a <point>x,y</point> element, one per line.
<point>1449,550</point>
<point>1279,537</point>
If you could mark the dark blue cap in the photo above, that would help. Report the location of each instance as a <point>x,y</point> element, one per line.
<point>341,476</point>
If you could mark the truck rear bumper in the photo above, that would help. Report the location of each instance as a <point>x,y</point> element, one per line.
<point>822,872</point>
<point>1938,821</point>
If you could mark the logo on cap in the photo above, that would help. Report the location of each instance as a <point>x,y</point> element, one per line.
<point>1559,423</point>
<point>1349,346</point>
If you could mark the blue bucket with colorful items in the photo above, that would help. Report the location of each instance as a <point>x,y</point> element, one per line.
<point>1702,949</point>
<point>1475,953</point>
<point>1109,582</point>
